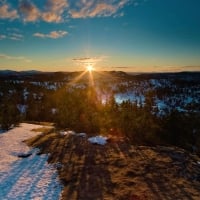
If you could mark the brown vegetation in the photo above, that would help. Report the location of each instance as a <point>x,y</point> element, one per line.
<point>119,170</point>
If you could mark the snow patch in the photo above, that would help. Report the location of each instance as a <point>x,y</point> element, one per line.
<point>25,177</point>
<point>54,111</point>
<point>98,140</point>
<point>67,132</point>
<point>22,108</point>
<point>82,134</point>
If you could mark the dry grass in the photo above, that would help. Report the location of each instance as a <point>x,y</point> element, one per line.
<point>40,123</point>
<point>41,140</point>
<point>43,129</point>
<point>119,170</point>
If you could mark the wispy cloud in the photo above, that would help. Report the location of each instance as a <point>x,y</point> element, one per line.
<point>53,34</point>
<point>121,67</point>
<point>93,8</point>
<point>14,30</point>
<point>20,58</point>
<point>6,12</point>
<point>16,36</point>
<point>174,68</point>
<point>54,10</point>
<point>59,10</point>
<point>2,37</point>
<point>197,67</point>
<point>88,60</point>
<point>11,34</point>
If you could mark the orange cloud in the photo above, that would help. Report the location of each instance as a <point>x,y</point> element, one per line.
<point>93,8</point>
<point>54,10</point>
<point>52,34</point>
<point>58,10</point>
<point>88,60</point>
<point>29,11</point>
<point>7,13</point>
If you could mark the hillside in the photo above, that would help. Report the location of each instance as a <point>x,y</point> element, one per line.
<point>119,170</point>
<point>154,108</point>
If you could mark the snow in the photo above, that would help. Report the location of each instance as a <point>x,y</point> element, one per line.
<point>160,104</point>
<point>188,100</point>
<point>120,97</point>
<point>22,108</point>
<point>155,83</point>
<point>180,109</point>
<point>25,178</point>
<point>54,111</point>
<point>25,93</point>
<point>98,140</point>
<point>1,131</point>
<point>67,132</point>
<point>70,132</point>
<point>82,135</point>
<point>46,84</point>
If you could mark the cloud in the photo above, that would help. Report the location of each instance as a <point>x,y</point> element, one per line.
<point>11,34</point>
<point>52,34</point>
<point>93,8</point>
<point>51,17</point>
<point>29,11</point>
<point>174,68</point>
<point>88,60</point>
<point>7,13</point>
<point>54,10</point>
<point>20,58</point>
<point>58,11</point>
<point>2,37</point>
<point>16,36</point>
<point>121,67</point>
<point>57,6</point>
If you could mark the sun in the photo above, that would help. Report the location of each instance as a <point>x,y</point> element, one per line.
<point>90,68</point>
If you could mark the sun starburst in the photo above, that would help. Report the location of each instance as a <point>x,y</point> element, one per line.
<point>90,68</point>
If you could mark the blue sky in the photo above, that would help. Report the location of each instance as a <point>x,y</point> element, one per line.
<point>127,35</point>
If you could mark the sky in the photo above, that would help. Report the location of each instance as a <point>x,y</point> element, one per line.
<point>126,35</point>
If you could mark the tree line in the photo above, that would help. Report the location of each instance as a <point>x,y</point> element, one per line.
<point>83,111</point>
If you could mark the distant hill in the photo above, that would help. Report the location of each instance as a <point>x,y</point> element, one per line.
<point>106,75</point>
<point>17,73</point>
<point>7,72</point>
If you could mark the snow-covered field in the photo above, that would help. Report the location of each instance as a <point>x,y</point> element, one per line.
<point>25,178</point>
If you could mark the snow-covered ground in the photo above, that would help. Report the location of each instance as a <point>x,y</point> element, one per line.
<point>120,97</point>
<point>98,140</point>
<point>25,178</point>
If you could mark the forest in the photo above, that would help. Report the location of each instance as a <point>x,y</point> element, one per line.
<point>154,109</point>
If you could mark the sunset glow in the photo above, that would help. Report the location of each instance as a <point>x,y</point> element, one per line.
<point>90,68</point>
<point>130,36</point>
